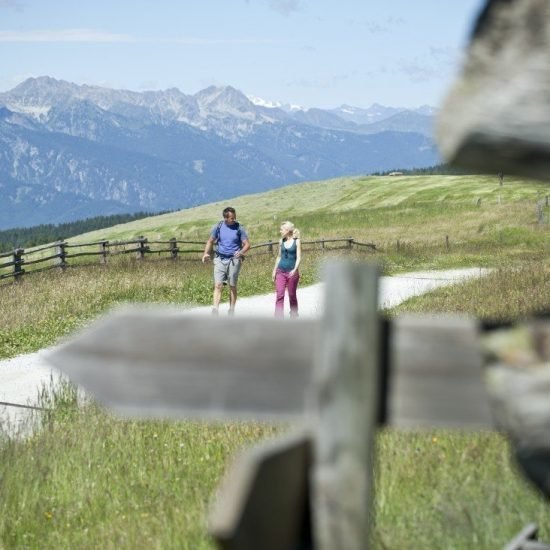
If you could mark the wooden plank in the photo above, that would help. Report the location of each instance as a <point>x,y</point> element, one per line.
<point>344,408</point>
<point>263,501</point>
<point>528,533</point>
<point>162,362</point>
<point>436,377</point>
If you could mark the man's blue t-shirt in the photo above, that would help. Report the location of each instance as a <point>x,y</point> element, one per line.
<point>228,241</point>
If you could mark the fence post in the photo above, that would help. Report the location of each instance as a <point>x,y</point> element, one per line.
<point>270,247</point>
<point>344,406</point>
<point>103,252</point>
<point>350,242</point>
<point>61,254</point>
<point>142,241</point>
<point>540,212</point>
<point>174,248</point>
<point>18,261</point>
<point>398,245</point>
<point>447,246</point>
<point>322,242</point>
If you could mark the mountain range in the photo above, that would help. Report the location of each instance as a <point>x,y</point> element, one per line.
<point>71,151</point>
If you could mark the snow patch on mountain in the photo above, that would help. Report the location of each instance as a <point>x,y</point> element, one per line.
<point>268,104</point>
<point>198,166</point>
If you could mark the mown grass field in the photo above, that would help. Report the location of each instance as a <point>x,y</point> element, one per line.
<point>380,209</point>
<point>89,480</point>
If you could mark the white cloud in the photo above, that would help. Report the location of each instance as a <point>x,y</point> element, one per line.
<point>438,64</point>
<point>97,36</point>
<point>376,28</point>
<point>209,41</point>
<point>285,7</point>
<point>422,71</point>
<point>14,4</point>
<point>443,54</point>
<point>66,35</point>
<point>324,83</point>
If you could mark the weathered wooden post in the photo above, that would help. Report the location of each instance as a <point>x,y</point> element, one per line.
<point>540,212</point>
<point>142,247</point>
<point>61,254</point>
<point>344,408</point>
<point>525,539</point>
<point>331,374</point>
<point>174,248</point>
<point>270,247</point>
<point>447,246</point>
<point>350,242</point>
<point>18,262</point>
<point>506,136</point>
<point>103,250</point>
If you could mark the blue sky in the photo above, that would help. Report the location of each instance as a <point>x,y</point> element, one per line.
<point>314,53</point>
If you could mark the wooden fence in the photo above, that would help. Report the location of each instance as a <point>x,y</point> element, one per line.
<point>61,254</point>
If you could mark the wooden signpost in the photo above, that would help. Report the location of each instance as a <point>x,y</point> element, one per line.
<point>338,379</point>
<point>163,362</point>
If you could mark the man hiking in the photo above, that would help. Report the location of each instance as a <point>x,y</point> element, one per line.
<point>231,242</point>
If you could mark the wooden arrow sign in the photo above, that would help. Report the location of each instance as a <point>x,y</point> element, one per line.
<point>165,363</point>
<point>160,362</point>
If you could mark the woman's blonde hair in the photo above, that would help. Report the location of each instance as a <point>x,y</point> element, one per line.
<point>289,226</point>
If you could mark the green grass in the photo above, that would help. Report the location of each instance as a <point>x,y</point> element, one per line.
<point>90,480</point>
<point>367,205</point>
<point>504,294</point>
<point>457,490</point>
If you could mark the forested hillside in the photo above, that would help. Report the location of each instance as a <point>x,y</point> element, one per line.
<point>25,237</point>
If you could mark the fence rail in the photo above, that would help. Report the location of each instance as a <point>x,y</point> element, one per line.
<point>65,252</point>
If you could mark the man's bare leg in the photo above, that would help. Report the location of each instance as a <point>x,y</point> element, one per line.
<point>232,299</point>
<point>217,296</point>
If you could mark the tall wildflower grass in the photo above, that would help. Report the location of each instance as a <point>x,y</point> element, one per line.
<point>90,480</point>
<point>507,293</point>
<point>40,309</point>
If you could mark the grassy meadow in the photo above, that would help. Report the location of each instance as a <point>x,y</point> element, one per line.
<point>475,213</point>
<point>90,480</point>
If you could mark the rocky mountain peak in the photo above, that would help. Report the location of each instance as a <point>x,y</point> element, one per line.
<point>223,99</point>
